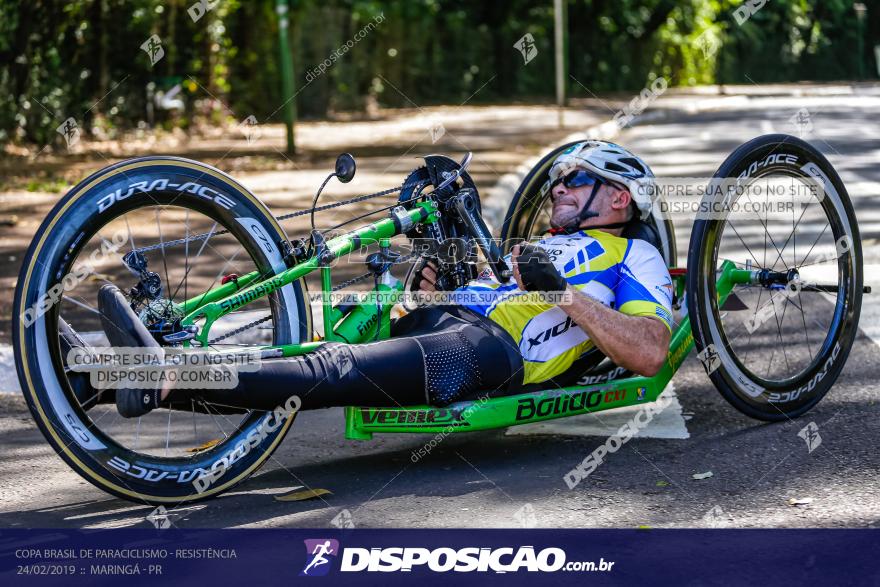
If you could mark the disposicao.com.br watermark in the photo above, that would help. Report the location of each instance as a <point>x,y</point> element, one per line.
<point>322,552</point>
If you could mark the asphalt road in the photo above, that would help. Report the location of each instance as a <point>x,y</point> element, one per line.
<point>492,479</point>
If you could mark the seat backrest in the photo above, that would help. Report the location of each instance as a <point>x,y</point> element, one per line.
<point>644,231</point>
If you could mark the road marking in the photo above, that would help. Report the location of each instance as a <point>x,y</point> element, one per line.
<point>8,374</point>
<point>669,423</point>
<point>869,319</point>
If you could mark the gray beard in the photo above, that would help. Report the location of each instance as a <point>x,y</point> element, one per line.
<point>563,219</point>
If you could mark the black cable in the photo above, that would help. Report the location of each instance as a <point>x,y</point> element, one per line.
<point>377,210</point>
<point>378,308</point>
<point>315,201</point>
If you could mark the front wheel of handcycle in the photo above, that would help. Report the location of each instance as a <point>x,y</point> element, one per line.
<point>194,227</point>
<point>778,213</point>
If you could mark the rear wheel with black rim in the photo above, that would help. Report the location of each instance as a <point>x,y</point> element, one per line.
<point>154,206</point>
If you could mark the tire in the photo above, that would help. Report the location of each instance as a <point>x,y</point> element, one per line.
<point>105,197</point>
<point>734,345</point>
<point>523,215</point>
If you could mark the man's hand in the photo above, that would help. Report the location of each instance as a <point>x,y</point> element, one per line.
<point>428,278</point>
<point>534,271</point>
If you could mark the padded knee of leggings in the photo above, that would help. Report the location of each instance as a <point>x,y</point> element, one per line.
<point>452,369</point>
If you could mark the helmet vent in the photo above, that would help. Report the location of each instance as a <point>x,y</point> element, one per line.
<point>615,167</point>
<point>634,163</point>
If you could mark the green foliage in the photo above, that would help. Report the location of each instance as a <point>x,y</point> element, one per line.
<point>83,58</point>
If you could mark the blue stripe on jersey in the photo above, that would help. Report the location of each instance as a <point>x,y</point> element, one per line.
<point>663,314</point>
<point>594,249</point>
<point>630,290</point>
<point>607,277</point>
<point>502,298</point>
<point>485,296</point>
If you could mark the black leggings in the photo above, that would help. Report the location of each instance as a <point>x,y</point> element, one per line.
<point>436,355</point>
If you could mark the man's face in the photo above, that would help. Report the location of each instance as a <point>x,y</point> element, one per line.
<point>568,202</point>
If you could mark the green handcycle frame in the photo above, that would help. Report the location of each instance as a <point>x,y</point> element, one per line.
<point>483,413</point>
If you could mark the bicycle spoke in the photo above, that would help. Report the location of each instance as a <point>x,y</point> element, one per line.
<point>736,232</point>
<point>815,242</point>
<point>766,199</point>
<point>766,230</point>
<point>162,243</point>
<point>821,261</point>
<point>130,234</point>
<point>198,254</point>
<point>791,235</point>
<point>81,304</point>
<point>794,229</point>
<point>806,334</point>
<point>105,242</point>
<point>779,332</point>
<point>219,275</point>
<point>754,317</point>
<point>185,256</point>
<point>207,407</point>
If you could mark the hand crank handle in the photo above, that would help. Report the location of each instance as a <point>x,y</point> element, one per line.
<point>466,205</point>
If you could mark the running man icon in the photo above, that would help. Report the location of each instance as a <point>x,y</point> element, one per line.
<point>318,551</point>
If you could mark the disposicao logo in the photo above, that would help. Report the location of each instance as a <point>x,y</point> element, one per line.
<point>318,551</point>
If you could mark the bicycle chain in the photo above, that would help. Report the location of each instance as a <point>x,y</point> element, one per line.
<point>239,330</point>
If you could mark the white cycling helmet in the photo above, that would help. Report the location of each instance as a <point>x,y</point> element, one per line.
<point>611,162</point>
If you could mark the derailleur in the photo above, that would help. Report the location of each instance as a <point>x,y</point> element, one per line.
<point>150,285</point>
<point>161,316</point>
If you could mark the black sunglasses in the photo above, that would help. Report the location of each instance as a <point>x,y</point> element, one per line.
<point>576,178</point>
<point>579,178</point>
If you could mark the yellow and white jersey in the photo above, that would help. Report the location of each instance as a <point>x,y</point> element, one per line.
<point>627,275</point>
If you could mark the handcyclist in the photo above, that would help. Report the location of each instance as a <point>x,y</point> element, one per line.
<point>616,296</point>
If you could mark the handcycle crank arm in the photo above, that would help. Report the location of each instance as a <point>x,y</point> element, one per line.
<point>466,205</point>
